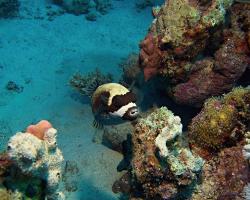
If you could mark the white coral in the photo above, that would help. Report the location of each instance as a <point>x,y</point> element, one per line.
<point>26,151</point>
<point>246,191</point>
<point>168,133</point>
<point>246,148</point>
<point>39,158</point>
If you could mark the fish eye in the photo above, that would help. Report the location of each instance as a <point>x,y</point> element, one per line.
<point>134,112</point>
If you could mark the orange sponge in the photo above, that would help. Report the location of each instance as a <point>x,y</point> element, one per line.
<point>39,129</point>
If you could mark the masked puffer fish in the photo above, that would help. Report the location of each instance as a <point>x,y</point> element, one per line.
<point>112,103</point>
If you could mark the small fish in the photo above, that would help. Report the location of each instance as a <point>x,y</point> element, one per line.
<point>113,103</point>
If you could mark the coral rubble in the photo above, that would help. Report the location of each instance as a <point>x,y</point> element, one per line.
<point>89,7</point>
<point>191,44</point>
<point>163,167</point>
<point>9,8</point>
<point>38,158</point>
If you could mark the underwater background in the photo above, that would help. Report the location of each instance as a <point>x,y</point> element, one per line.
<point>187,62</point>
<point>40,54</point>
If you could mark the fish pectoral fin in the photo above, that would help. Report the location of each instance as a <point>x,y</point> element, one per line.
<point>97,124</point>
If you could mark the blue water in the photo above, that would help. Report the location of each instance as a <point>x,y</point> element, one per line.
<point>41,56</point>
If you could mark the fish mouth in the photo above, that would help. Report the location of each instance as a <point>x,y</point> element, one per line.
<point>131,114</point>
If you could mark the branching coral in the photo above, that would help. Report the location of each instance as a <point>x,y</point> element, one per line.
<point>86,84</point>
<point>161,161</point>
<point>222,121</point>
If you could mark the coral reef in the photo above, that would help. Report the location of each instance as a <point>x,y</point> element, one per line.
<point>190,45</point>
<point>162,169</point>
<point>211,161</point>
<point>224,177</point>
<point>220,134</point>
<point>89,7</point>
<point>86,84</point>
<point>38,158</point>
<point>222,122</point>
<point>213,77</point>
<point>9,8</point>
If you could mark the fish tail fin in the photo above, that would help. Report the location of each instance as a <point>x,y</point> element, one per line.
<point>97,124</point>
